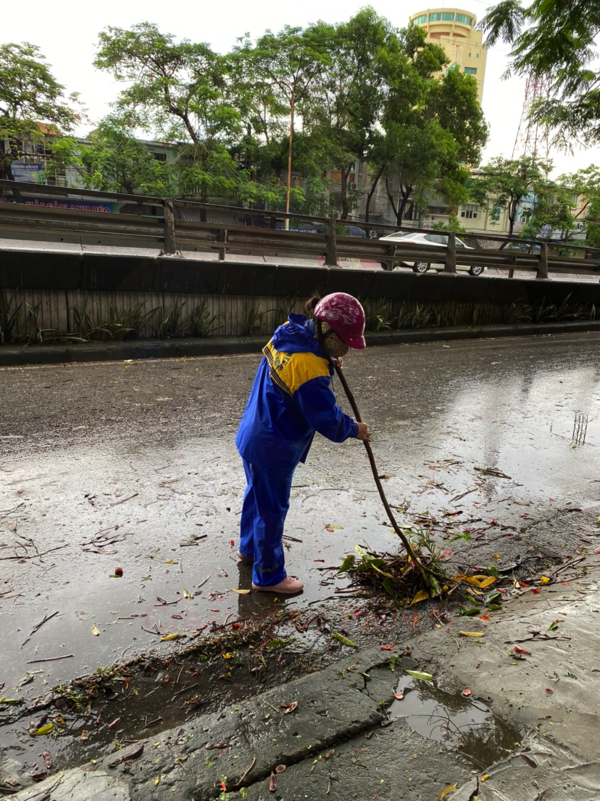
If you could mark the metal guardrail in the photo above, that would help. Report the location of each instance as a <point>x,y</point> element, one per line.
<point>170,233</point>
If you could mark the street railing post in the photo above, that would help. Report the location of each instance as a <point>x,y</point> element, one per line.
<point>390,261</point>
<point>542,270</point>
<point>331,243</point>
<point>222,238</point>
<point>450,265</point>
<point>170,241</point>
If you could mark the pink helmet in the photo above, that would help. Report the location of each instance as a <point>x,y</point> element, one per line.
<point>346,317</point>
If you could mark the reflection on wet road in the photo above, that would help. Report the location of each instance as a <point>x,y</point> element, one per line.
<point>133,465</point>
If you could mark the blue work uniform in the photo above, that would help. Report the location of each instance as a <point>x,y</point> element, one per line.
<point>291,399</point>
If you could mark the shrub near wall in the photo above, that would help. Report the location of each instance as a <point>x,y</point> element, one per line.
<point>48,296</point>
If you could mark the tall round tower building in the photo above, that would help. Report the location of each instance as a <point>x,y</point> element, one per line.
<point>454,30</point>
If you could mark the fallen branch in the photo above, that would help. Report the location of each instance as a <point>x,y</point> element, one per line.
<point>39,626</point>
<point>463,494</point>
<point>245,773</point>
<point>49,659</point>
<point>124,500</point>
<point>491,471</point>
<point>570,563</point>
<point>33,555</point>
<point>185,690</point>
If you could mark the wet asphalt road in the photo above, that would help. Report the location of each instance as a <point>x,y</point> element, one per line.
<point>134,465</point>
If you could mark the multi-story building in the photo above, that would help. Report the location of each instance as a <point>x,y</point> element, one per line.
<point>454,30</point>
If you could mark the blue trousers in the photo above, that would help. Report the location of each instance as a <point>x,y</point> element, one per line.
<point>266,502</point>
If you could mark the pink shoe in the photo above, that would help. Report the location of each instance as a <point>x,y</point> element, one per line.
<point>289,586</point>
<point>247,559</point>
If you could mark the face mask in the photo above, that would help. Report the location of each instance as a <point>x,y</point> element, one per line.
<point>334,347</point>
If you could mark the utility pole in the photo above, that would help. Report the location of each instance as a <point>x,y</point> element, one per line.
<point>289,169</point>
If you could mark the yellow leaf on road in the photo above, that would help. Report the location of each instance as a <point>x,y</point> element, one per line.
<point>545,580</point>
<point>240,592</point>
<point>175,636</point>
<point>95,630</point>
<point>422,595</point>
<point>187,595</point>
<point>479,581</point>
<point>43,730</point>
<point>448,790</point>
<point>472,633</point>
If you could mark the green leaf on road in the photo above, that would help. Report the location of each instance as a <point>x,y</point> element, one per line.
<point>275,645</point>
<point>418,674</point>
<point>343,640</point>
<point>347,564</point>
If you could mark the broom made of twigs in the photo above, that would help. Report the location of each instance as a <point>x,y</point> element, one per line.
<point>407,545</point>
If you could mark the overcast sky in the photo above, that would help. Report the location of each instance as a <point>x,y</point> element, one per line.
<point>67,33</point>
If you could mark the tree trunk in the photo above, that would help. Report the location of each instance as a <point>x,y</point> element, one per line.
<point>390,198</point>
<point>344,204</point>
<point>372,192</point>
<point>405,193</point>
<point>512,213</point>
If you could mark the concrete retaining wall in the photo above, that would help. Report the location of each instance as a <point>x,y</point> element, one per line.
<point>249,298</point>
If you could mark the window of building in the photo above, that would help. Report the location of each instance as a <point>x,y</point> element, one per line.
<point>435,17</point>
<point>495,214</point>
<point>462,18</point>
<point>471,70</point>
<point>476,55</point>
<point>452,66</point>
<point>469,211</point>
<point>420,20</point>
<point>447,16</point>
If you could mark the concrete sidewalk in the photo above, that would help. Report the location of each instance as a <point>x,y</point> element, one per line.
<point>525,731</point>
<point>14,355</point>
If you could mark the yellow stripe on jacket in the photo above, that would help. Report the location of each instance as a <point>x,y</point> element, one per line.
<point>290,370</point>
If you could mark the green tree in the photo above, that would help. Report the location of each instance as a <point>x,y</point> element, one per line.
<point>580,195</point>
<point>285,66</point>
<point>33,106</point>
<point>454,225</point>
<point>350,92</point>
<point>556,39</point>
<point>176,91</point>
<point>504,183</point>
<point>432,123</point>
<point>112,159</point>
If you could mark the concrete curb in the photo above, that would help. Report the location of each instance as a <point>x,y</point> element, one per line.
<point>335,704</point>
<point>11,356</point>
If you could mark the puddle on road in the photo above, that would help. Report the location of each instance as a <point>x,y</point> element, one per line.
<point>458,722</point>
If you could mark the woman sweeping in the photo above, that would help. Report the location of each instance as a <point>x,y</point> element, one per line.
<point>291,399</point>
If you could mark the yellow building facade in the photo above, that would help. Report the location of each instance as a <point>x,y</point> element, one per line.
<point>454,30</point>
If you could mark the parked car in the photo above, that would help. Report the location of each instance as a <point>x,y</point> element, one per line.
<point>436,239</point>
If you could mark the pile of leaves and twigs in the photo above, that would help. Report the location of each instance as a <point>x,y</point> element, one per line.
<point>397,575</point>
<point>476,590</point>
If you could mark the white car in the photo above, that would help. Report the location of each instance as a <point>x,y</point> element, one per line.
<point>435,238</point>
